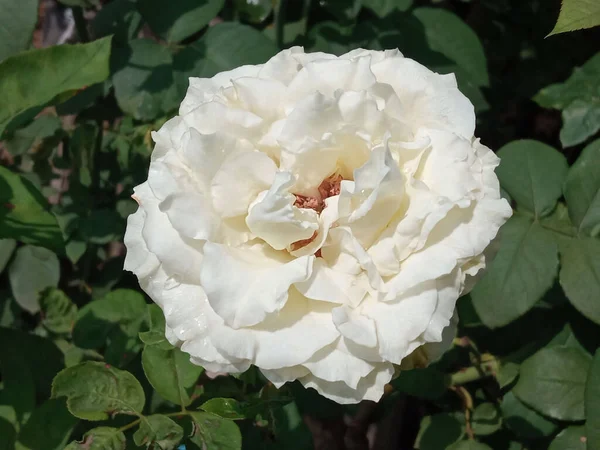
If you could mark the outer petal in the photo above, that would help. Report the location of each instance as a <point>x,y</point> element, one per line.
<point>245,284</point>
<point>401,322</point>
<point>332,364</point>
<point>181,258</point>
<point>202,90</point>
<point>432,99</point>
<point>138,259</point>
<point>369,388</point>
<point>275,343</point>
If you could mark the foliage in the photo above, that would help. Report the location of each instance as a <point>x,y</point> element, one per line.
<point>84,362</point>
<point>577,14</point>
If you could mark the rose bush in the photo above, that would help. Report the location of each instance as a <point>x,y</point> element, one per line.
<point>316,216</point>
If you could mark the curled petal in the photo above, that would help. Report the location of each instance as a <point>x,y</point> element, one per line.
<point>274,218</point>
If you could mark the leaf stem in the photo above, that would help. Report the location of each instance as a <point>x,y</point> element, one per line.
<point>476,372</point>
<point>130,425</point>
<point>80,24</point>
<point>280,22</point>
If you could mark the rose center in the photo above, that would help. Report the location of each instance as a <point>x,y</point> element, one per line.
<point>329,187</point>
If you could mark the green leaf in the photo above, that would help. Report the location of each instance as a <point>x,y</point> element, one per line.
<point>80,3</point>
<point>553,382</point>
<point>158,430</point>
<point>524,421</point>
<point>572,438</point>
<point>580,275</point>
<point>582,190</point>
<point>28,137</point>
<point>7,247</point>
<point>581,119</point>
<point>19,392</point>
<point>119,17</point>
<point>559,223</point>
<point>343,10</point>
<point>533,174</point>
<point>470,445</point>
<point>143,79</point>
<point>101,438</point>
<point>58,311</point>
<point>24,213</point>
<point>428,383</point>
<point>114,320</point>
<point>486,419</point>
<point>215,433</point>
<point>96,391</point>
<point>32,260</point>
<point>17,22</point>
<point>227,408</point>
<point>291,433</point>
<point>254,12</point>
<point>83,148</point>
<point>28,365</point>
<point>522,271</point>
<point>171,373</point>
<point>383,7</point>
<point>156,334</point>
<point>448,34</point>
<point>577,15</point>
<point>579,101</point>
<point>439,432</point>
<point>224,47</point>
<point>592,404</point>
<point>35,77</point>
<point>102,226</point>
<point>48,427</point>
<point>181,19</point>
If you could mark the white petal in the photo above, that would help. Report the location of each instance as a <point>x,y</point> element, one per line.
<point>245,284</point>
<point>191,214</point>
<point>355,326</point>
<point>215,117</point>
<point>281,376</point>
<point>260,96</point>
<point>368,204</point>
<point>327,76</point>
<point>239,180</point>
<point>168,174</point>
<point>448,290</point>
<point>311,118</point>
<point>330,285</point>
<point>275,343</point>
<point>169,137</point>
<point>181,258</point>
<point>344,253</point>
<point>202,90</point>
<point>432,99</point>
<point>448,150</point>
<point>204,154</point>
<point>401,322</point>
<point>332,364</point>
<point>138,258</point>
<point>369,388</point>
<point>409,230</point>
<point>274,218</point>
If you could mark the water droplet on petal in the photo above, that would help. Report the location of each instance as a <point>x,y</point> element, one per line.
<point>173,282</point>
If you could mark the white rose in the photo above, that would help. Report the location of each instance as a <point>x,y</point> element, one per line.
<point>316,216</point>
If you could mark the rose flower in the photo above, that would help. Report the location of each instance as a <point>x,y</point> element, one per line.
<point>316,216</point>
